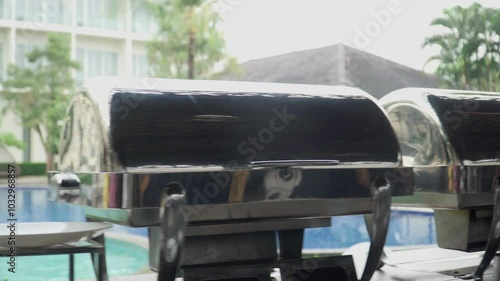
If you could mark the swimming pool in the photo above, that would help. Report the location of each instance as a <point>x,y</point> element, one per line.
<point>123,258</point>
<point>405,229</point>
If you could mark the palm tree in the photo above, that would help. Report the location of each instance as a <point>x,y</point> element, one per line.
<point>189,43</point>
<point>455,44</point>
<point>469,47</point>
<point>492,44</point>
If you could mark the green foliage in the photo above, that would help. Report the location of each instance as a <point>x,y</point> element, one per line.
<point>189,43</point>
<point>469,47</point>
<point>230,67</point>
<point>32,169</point>
<point>40,92</point>
<point>8,139</point>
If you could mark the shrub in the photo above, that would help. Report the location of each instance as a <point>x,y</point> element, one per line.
<point>24,169</point>
<point>3,172</point>
<point>32,169</point>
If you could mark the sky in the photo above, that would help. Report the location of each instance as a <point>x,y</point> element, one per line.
<point>393,29</point>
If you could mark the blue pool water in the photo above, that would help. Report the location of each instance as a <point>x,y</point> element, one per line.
<point>406,228</point>
<point>32,205</point>
<point>122,259</point>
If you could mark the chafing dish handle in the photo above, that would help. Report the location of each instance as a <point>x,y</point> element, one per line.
<point>493,238</point>
<point>381,200</point>
<point>292,163</point>
<point>172,225</point>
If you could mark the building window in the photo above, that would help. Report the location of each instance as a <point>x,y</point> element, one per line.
<point>96,63</point>
<point>2,69</point>
<point>108,14</point>
<point>140,66</point>
<point>142,20</point>
<point>55,11</point>
<point>22,50</point>
<point>80,57</point>
<point>49,11</point>
<point>5,9</point>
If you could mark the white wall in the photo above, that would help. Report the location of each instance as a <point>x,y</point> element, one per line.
<point>11,124</point>
<point>37,150</point>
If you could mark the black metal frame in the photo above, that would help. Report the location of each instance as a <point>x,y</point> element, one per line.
<point>493,239</point>
<point>95,247</point>
<point>174,225</point>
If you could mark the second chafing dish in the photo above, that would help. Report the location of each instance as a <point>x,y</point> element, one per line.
<point>452,140</point>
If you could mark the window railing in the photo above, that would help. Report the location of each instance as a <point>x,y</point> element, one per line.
<point>45,11</point>
<point>107,14</point>
<point>95,63</point>
<point>104,14</point>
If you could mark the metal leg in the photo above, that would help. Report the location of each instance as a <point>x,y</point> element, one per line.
<point>71,267</point>
<point>99,260</point>
<point>291,243</point>
<point>154,238</point>
<point>238,271</point>
<point>338,268</point>
<point>378,229</point>
<point>493,238</point>
<point>173,224</point>
<point>368,218</point>
<point>496,267</point>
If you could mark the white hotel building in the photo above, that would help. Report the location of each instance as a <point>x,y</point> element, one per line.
<point>107,38</point>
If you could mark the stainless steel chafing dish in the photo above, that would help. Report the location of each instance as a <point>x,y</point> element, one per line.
<point>451,139</point>
<point>228,158</point>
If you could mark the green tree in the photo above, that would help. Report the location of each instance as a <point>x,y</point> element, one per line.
<point>9,140</point>
<point>40,92</point>
<point>469,52</point>
<point>189,42</point>
<point>491,60</point>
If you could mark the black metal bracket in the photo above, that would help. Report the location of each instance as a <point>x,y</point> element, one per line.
<point>173,224</point>
<point>99,260</point>
<point>378,225</point>
<point>493,238</point>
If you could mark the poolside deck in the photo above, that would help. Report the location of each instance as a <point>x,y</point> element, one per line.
<point>417,264</point>
<point>27,181</point>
